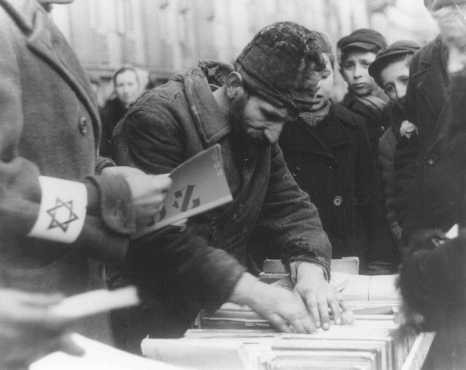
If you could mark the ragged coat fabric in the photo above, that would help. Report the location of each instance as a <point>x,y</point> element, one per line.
<point>381,242</point>
<point>173,122</point>
<point>50,126</point>
<point>331,162</point>
<point>434,190</point>
<point>433,277</point>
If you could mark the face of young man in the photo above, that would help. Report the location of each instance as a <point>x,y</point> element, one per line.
<point>324,87</point>
<point>259,120</point>
<point>127,87</point>
<point>355,71</point>
<point>395,78</point>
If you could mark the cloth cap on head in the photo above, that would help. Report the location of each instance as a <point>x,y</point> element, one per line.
<point>398,48</point>
<point>279,60</point>
<point>364,39</point>
<point>434,5</point>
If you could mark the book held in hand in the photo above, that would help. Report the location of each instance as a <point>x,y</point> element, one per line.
<point>199,184</point>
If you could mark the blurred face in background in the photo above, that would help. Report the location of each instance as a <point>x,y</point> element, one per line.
<point>452,26</point>
<point>324,87</point>
<point>355,71</point>
<point>394,78</point>
<point>127,87</point>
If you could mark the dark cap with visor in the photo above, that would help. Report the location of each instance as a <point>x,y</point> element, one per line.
<point>363,39</point>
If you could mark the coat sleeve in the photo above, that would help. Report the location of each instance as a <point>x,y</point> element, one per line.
<point>291,220</point>
<point>433,278</point>
<point>150,138</point>
<point>20,191</point>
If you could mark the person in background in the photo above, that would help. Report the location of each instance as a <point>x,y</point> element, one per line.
<point>62,208</point>
<point>245,115</point>
<point>127,88</point>
<point>391,72</point>
<point>327,151</point>
<point>358,51</point>
<point>433,279</point>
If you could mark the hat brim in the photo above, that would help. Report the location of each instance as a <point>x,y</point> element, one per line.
<point>366,46</point>
<point>374,68</point>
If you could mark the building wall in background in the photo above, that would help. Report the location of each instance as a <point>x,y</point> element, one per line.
<point>168,36</point>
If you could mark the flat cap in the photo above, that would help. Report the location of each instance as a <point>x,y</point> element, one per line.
<point>363,38</point>
<point>279,60</point>
<point>434,5</point>
<point>398,48</point>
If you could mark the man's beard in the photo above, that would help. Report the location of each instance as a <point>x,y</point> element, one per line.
<point>239,124</point>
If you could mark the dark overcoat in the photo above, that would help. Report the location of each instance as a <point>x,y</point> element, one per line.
<point>49,126</point>
<point>331,162</point>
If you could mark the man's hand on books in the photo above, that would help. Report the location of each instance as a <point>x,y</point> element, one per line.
<point>321,298</point>
<point>282,308</point>
<point>148,191</point>
<point>28,330</point>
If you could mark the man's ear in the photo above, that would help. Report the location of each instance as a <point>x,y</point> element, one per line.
<point>234,85</point>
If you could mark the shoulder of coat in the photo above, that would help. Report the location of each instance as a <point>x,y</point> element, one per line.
<point>22,12</point>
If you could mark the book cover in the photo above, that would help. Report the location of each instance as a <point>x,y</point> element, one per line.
<point>198,185</point>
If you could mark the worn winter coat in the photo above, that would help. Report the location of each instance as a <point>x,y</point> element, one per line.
<point>50,126</point>
<point>173,122</point>
<point>331,162</point>
<point>433,186</point>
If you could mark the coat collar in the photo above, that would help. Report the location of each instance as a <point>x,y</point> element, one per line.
<point>323,140</point>
<point>46,41</point>
<point>432,80</point>
<point>211,123</point>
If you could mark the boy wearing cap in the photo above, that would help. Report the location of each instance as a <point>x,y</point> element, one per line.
<point>245,115</point>
<point>391,72</point>
<point>358,51</point>
<point>327,151</point>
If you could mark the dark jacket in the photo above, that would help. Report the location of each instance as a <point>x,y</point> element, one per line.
<point>371,108</point>
<point>432,283</point>
<point>173,122</point>
<point>110,114</point>
<point>331,162</point>
<point>434,185</point>
<point>50,126</point>
<point>382,246</point>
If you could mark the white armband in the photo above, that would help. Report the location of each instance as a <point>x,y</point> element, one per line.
<point>62,210</point>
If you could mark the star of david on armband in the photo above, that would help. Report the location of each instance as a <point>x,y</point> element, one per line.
<point>62,210</point>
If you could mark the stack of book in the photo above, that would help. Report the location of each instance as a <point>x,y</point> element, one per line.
<point>235,337</point>
<point>369,344</point>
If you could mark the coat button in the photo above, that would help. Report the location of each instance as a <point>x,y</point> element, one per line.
<point>338,200</point>
<point>430,162</point>
<point>82,125</point>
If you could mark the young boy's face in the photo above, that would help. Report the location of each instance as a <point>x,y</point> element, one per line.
<point>355,71</point>
<point>394,79</point>
<point>324,88</point>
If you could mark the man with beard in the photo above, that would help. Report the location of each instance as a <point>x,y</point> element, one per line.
<point>245,115</point>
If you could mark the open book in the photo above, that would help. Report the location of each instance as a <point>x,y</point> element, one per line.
<point>199,184</point>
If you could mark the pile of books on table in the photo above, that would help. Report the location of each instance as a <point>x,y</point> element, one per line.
<point>234,337</point>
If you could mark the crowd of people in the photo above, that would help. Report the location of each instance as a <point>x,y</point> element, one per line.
<point>378,175</point>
